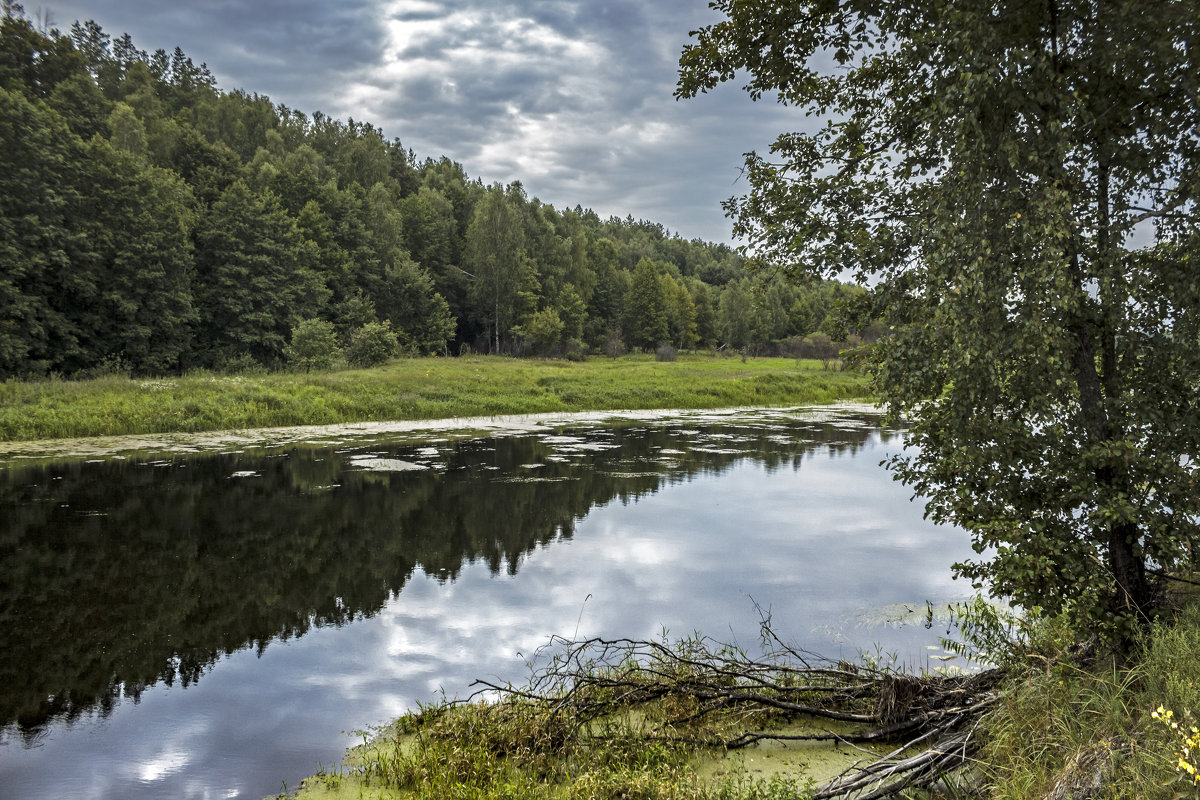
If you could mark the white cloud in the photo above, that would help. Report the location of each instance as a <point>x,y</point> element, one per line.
<point>572,98</point>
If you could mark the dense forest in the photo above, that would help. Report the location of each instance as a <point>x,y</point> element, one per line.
<point>152,223</point>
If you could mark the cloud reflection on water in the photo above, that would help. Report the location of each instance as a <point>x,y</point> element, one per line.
<point>809,531</point>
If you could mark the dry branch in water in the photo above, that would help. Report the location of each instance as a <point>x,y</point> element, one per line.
<point>718,696</point>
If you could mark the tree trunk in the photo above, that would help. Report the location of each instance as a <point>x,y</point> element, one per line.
<point>1128,568</point>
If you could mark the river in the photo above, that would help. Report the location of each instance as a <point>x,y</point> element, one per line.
<point>218,620</point>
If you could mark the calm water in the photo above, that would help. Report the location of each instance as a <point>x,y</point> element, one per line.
<point>218,626</point>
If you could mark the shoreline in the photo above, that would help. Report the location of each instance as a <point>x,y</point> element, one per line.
<point>409,389</point>
<point>19,453</point>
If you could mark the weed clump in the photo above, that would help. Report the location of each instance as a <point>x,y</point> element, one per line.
<point>1074,719</point>
<point>516,748</point>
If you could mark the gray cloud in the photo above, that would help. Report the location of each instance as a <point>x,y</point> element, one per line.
<point>573,98</point>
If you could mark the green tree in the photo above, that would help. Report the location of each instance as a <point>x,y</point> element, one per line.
<point>96,255</point>
<point>408,300</point>
<point>78,101</point>
<point>313,345</point>
<point>606,306</point>
<point>92,43</point>
<point>735,315</point>
<point>364,158</point>
<point>35,63</point>
<point>680,312</point>
<point>208,168</point>
<point>495,257</point>
<point>41,164</point>
<point>774,301</point>
<point>573,311</point>
<point>544,331</point>
<point>428,230</point>
<point>126,131</point>
<point>646,308</point>
<point>255,278</point>
<point>133,262</point>
<point>706,314</point>
<point>992,169</point>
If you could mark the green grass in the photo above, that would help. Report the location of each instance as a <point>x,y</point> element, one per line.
<point>410,389</point>
<point>514,750</point>
<point>1059,714</point>
<point>597,724</point>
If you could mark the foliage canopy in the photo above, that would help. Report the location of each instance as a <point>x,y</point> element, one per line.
<point>151,220</point>
<point>1017,181</point>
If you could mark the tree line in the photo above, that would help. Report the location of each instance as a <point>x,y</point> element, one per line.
<point>153,223</point>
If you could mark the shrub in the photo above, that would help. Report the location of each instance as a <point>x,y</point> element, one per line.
<point>543,330</point>
<point>614,345</point>
<point>575,350</point>
<point>372,345</point>
<point>314,345</point>
<point>112,365</point>
<point>818,345</point>
<point>240,364</point>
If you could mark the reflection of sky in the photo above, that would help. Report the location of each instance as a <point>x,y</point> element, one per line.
<point>812,544</point>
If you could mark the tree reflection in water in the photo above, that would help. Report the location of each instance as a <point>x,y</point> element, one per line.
<point>122,574</point>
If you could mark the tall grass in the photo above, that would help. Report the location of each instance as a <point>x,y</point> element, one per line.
<point>1063,721</point>
<point>429,388</point>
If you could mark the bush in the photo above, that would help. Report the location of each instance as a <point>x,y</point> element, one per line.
<point>818,345</point>
<point>575,350</point>
<point>112,365</point>
<point>240,364</point>
<point>372,345</point>
<point>1058,711</point>
<point>614,345</point>
<point>665,352</point>
<point>542,331</point>
<point>314,345</point>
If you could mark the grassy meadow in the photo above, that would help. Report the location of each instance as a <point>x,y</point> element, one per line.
<point>410,389</point>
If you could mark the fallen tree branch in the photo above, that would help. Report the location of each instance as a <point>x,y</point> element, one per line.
<point>724,698</point>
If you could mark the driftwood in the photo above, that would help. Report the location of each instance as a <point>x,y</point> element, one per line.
<point>1087,774</point>
<point>929,723</point>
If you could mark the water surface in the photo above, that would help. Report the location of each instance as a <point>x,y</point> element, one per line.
<point>205,625</point>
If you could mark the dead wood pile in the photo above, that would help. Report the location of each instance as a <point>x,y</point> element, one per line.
<point>922,728</point>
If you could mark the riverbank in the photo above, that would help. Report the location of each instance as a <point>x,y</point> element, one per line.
<point>1060,724</point>
<point>159,445</point>
<point>411,389</point>
<point>1083,724</point>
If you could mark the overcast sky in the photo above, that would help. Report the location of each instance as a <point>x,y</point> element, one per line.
<point>571,97</point>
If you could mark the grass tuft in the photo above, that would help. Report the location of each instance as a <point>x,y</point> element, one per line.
<point>517,750</point>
